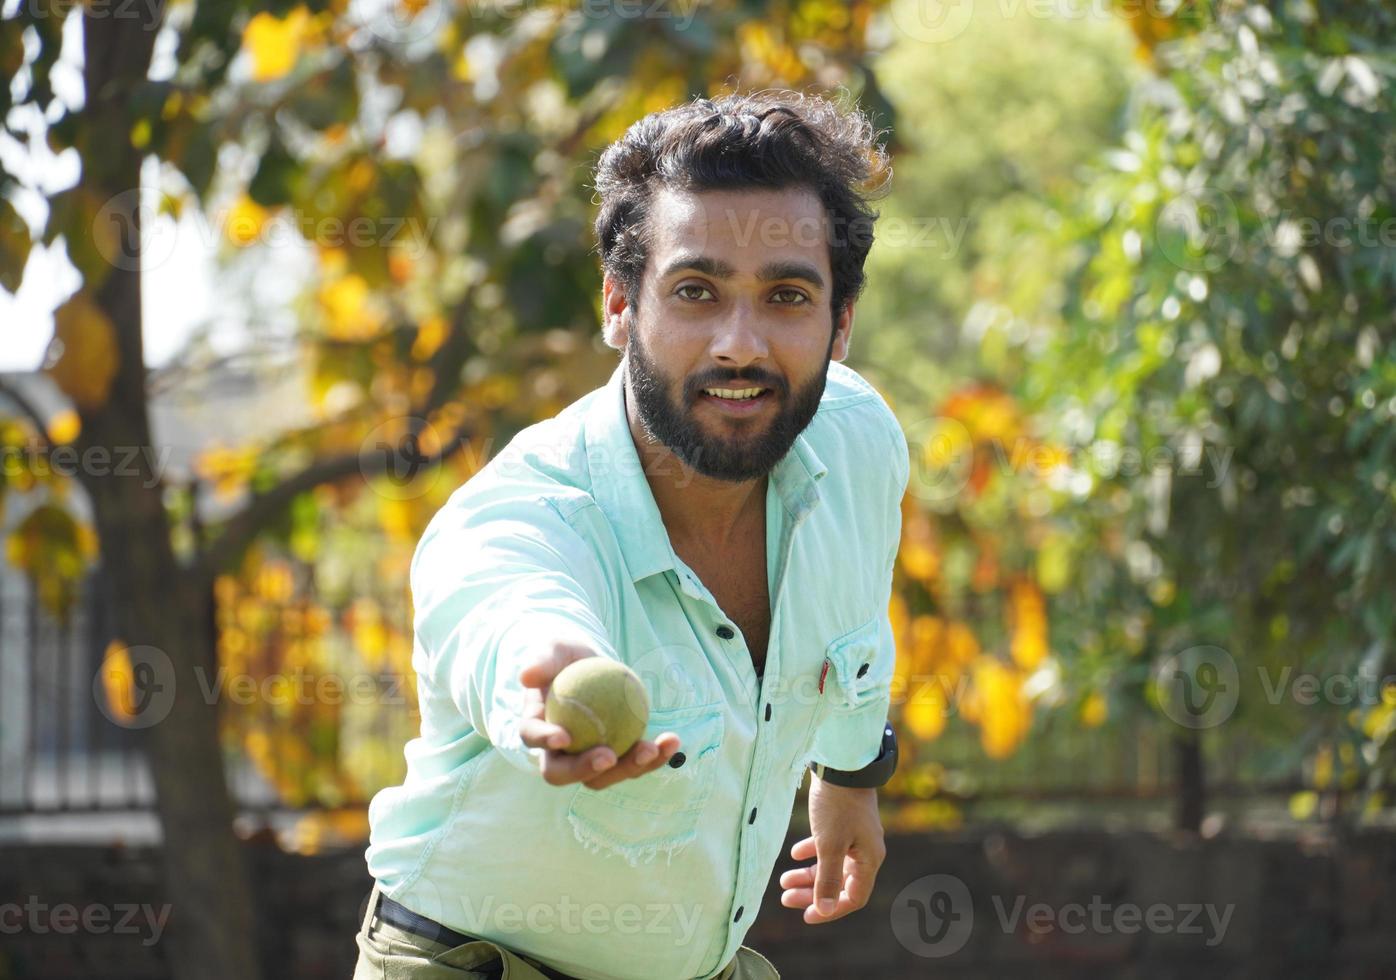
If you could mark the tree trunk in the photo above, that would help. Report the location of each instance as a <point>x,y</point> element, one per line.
<point>1192,783</point>
<point>157,604</point>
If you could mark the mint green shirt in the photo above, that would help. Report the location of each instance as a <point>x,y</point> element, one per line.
<point>559,537</point>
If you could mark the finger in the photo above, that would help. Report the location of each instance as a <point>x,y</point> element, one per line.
<point>533,703</point>
<point>642,757</point>
<point>562,768</point>
<point>828,872</point>
<point>541,671</point>
<point>803,899</point>
<point>858,884</point>
<point>841,908</point>
<point>797,898</point>
<point>797,878</point>
<point>539,734</point>
<point>803,850</point>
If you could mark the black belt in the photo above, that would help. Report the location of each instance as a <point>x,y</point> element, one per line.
<point>397,914</point>
<point>394,913</point>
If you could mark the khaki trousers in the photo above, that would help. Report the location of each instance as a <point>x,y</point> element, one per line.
<point>389,953</point>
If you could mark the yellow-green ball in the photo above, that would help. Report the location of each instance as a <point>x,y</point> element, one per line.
<point>600,702</point>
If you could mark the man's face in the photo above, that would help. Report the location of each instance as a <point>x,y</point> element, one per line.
<point>735,295</point>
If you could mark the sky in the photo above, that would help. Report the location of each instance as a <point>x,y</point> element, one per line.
<point>179,256</point>
<point>175,295</point>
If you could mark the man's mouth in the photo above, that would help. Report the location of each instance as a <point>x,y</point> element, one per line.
<point>736,394</point>
<point>737,401</point>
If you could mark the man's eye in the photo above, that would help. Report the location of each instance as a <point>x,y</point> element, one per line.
<point>701,289</point>
<point>795,297</point>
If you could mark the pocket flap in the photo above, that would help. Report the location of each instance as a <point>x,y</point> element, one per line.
<point>861,665</point>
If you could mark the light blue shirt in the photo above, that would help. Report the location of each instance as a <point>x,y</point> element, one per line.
<point>559,537</point>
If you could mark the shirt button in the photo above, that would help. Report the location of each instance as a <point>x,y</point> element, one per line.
<point>752,818</point>
<point>676,760</point>
<point>768,712</point>
<point>725,632</point>
<point>862,670</point>
<point>738,916</point>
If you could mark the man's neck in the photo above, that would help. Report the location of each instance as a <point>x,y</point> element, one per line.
<point>698,510</point>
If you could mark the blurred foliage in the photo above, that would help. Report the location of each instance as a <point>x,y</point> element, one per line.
<point>1212,347</point>
<point>997,122</point>
<point>1098,243</point>
<point>426,158</point>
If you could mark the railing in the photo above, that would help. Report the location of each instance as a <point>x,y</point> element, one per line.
<point>60,752</point>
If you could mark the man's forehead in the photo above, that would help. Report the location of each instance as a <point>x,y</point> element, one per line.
<point>759,223</point>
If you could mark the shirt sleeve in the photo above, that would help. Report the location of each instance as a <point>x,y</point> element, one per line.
<point>852,740</point>
<point>493,586</point>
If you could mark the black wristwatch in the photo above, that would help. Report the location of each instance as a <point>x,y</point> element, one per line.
<point>874,774</point>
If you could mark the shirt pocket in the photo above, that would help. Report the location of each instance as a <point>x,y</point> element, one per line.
<point>660,810</point>
<point>856,685</point>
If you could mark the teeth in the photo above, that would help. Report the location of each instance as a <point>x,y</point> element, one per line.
<point>735,393</point>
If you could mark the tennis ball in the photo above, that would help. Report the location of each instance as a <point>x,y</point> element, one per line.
<point>600,702</point>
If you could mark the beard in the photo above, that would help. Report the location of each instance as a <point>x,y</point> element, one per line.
<point>736,458</point>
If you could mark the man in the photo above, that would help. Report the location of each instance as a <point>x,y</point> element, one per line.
<point>722,516</point>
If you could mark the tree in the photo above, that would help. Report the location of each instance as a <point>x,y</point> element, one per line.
<point>1224,314</point>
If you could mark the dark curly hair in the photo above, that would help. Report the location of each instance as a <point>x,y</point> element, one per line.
<point>774,139</point>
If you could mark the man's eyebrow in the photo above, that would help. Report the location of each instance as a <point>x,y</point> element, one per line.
<point>770,272</point>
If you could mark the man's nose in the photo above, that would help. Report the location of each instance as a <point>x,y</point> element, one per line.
<point>739,338</point>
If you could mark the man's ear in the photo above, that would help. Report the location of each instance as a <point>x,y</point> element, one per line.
<point>842,330</point>
<point>615,326</point>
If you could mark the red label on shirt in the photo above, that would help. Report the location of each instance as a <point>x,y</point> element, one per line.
<point>822,673</point>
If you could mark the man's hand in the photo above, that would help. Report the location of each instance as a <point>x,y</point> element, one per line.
<point>847,844</point>
<point>597,767</point>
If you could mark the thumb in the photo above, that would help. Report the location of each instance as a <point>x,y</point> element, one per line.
<point>541,671</point>
<point>828,875</point>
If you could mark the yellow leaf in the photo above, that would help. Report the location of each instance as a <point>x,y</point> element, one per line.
<point>83,357</point>
<point>1004,712</point>
<point>64,428</point>
<point>274,43</point>
<point>118,681</point>
<point>1302,805</point>
<point>1029,645</point>
<point>349,311</point>
<point>1094,710</point>
<point>245,221</point>
<point>925,710</point>
<point>431,333</point>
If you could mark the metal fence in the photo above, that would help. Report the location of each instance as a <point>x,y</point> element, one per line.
<point>58,751</point>
<point>61,753</point>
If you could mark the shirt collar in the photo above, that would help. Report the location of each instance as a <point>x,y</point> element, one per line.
<point>624,496</point>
